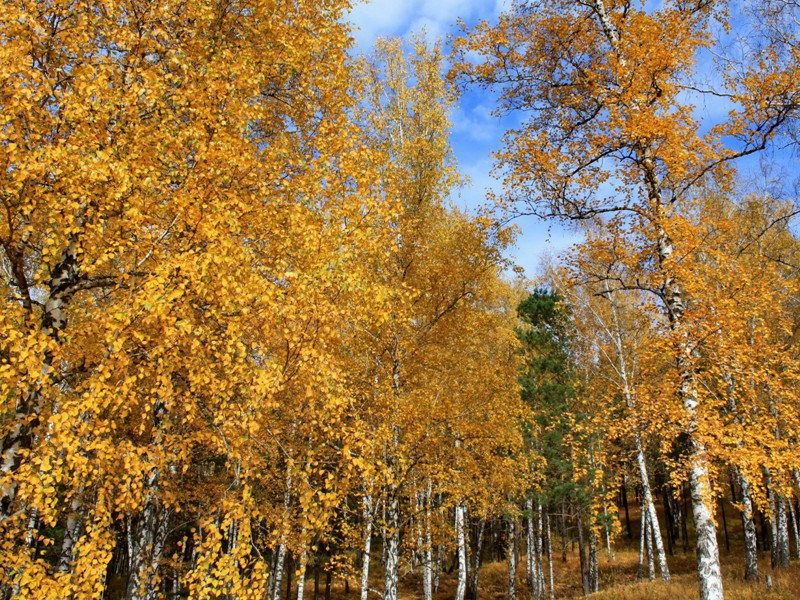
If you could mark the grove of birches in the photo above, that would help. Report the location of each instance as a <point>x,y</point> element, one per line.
<point>250,349</point>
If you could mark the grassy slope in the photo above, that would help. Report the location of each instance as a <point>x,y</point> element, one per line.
<point>618,575</point>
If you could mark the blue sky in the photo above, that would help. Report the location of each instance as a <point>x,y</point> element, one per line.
<point>476,132</point>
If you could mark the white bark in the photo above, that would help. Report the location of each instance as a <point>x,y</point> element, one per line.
<point>782,526</point>
<point>146,536</point>
<point>477,560</point>
<point>512,561</point>
<point>642,545</point>
<point>392,542</point>
<point>594,565</point>
<point>72,530</point>
<point>651,569</point>
<point>531,554</point>
<point>461,540</point>
<point>277,578</point>
<point>427,567</point>
<point>301,581</point>
<point>708,566</point>
<point>539,550</point>
<point>367,541</point>
<point>550,557</point>
<point>795,527</point>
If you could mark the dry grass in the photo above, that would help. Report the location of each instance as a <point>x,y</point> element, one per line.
<point>618,576</point>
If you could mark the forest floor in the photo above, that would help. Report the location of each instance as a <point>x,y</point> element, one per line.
<point>618,574</point>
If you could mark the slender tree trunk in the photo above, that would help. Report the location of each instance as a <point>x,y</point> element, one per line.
<point>724,524</point>
<point>72,531</point>
<point>437,567</point>
<point>624,490</point>
<point>642,544</point>
<point>582,555</point>
<point>650,507</point>
<point>301,580</point>
<point>795,526</point>
<point>512,561</point>
<point>473,592</point>
<point>782,523</point>
<point>275,581</point>
<point>540,585</point>
<point>289,577</point>
<point>427,566</point>
<point>684,518</point>
<point>708,566</point>
<point>594,564</point>
<point>367,543</point>
<point>147,534</point>
<point>563,520</point>
<point>550,556</point>
<point>64,278</point>
<point>392,542</point>
<point>670,520</point>
<point>532,569</point>
<point>606,529</point>
<point>461,541</point>
<point>651,569</point>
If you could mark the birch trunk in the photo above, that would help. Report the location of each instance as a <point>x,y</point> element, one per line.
<point>594,565</point>
<point>538,545</point>
<point>708,567</point>
<point>146,536</point>
<point>550,556</point>
<point>277,578</point>
<point>64,282</point>
<point>647,493</point>
<point>437,568</point>
<point>301,581</point>
<point>651,569</point>
<point>72,531</point>
<point>512,561</point>
<point>427,567</point>
<point>392,538</point>
<point>532,569</point>
<point>748,522</point>
<point>477,562</point>
<point>795,527</point>
<point>461,588</point>
<point>782,526</point>
<point>650,507</point>
<point>706,532</point>
<point>367,540</point>
<point>642,545</point>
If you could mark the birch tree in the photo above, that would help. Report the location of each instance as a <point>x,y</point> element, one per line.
<point>608,134</point>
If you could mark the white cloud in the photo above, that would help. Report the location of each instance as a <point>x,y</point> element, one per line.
<point>477,124</point>
<point>447,11</point>
<point>433,29</point>
<point>384,18</point>
<point>381,18</point>
<point>501,6</point>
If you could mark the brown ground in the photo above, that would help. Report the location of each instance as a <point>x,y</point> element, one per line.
<point>618,575</point>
